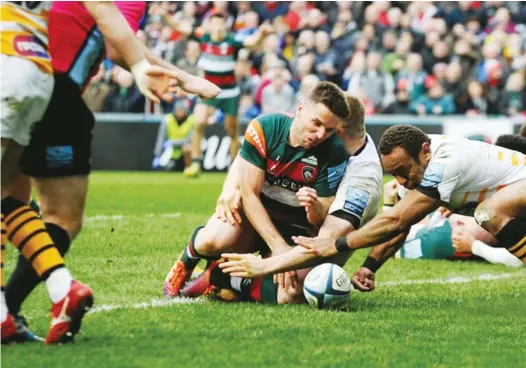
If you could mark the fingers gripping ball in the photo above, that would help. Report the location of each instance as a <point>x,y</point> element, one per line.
<point>327,286</point>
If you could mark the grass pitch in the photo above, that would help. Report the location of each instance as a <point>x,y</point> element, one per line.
<point>423,313</point>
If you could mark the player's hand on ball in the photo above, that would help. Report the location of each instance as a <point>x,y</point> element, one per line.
<point>243,265</point>
<point>363,279</point>
<point>227,207</point>
<point>462,239</point>
<point>322,247</point>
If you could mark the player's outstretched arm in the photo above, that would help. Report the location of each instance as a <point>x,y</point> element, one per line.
<point>151,80</point>
<point>186,81</point>
<point>250,266</point>
<point>384,227</point>
<point>251,183</point>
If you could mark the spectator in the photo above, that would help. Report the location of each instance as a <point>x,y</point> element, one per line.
<point>401,104</point>
<point>189,62</point>
<point>248,110</point>
<point>377,85</point>
<point>440,54</point>
<point>279,95</point>
<point>97,90</point>
<point>395,61</point>
<point>304,66</point>
<point>439,72</point>
<point>307,85</point>
<point>476,103</point>
<point>515,95</point>
<point>247,25</point>
<point>354,69</point>
<point>454,85</point>
<point>326,61</point>
<point>435,102</point>
<point>172,148</point>
<point>124,96</point>
<point>389,39</point>
<point>415,76</point>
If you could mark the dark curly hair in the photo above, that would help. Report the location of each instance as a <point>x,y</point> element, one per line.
<point>513,142</point>
<point>406,136</point>
<point>330,95</point>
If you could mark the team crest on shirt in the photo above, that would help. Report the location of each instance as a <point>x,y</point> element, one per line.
<point>308,173</point>
<point>29,46</point>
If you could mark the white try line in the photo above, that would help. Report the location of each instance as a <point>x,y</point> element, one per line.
<point>99,218</point>
<point>163,302</point>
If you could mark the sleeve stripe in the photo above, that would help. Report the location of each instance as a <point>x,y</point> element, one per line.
<point>254,135</point>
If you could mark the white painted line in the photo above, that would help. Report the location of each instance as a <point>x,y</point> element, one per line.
<point>153,303</point>
<point>455,280</point>
<point>164,302</point>
<point>98,218</point>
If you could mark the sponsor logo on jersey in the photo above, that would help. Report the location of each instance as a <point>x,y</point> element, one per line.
<point>433,175</point>
<point>356,201</point>
<point>308,173</point>
<point>311,160</point>
<point>335,175</point>
<point>29,46</point>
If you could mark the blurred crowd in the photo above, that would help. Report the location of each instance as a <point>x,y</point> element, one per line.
<point>424,58</point>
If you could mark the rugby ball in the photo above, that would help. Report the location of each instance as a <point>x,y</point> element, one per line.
<point>327,286</point>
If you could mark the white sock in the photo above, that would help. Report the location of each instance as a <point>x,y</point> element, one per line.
<point>3,307</point>
<point>235,282</point>
<point>58,284</point>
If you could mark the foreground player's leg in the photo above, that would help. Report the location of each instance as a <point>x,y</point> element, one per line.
<point>207,242</point>
<point>262,290</point>
<point>70,298</point>
<point>504,215</point>
<point>8,323</point>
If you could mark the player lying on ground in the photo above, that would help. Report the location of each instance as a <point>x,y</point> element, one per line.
<point>283,160</point>
<point>443,235</point>
<point>356,203</point>
<point>439,171</point>
<point>71,25</point>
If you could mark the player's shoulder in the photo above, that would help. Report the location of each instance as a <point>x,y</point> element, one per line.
<point>275,120</point>
<point>333,149</point>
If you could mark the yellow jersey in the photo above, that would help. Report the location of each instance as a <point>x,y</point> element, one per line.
<point>24,31</point>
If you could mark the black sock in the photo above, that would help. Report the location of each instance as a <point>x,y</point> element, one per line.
<point>513,237</point>
<point>24,278</point>
<point>197,161</point>
<point>191,256</point>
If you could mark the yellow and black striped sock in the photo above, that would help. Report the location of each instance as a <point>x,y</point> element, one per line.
<point>27,232</point>
<point>4,241</point>
<point>513,237</point>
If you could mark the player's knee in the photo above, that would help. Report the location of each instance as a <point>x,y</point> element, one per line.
<point>488,216</point>
<point>67,221</point>
<point>211,241</point>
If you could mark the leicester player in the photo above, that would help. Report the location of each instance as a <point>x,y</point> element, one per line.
<point>356,203</point>
<point>282,157</point>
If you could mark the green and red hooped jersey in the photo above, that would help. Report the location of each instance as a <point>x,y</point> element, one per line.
<point>288,168</point>
<point>218,60</point>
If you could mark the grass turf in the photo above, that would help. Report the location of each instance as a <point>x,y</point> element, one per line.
<point>136,223</point>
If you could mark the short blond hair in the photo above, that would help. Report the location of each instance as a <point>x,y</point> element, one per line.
<point>354,125</point>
